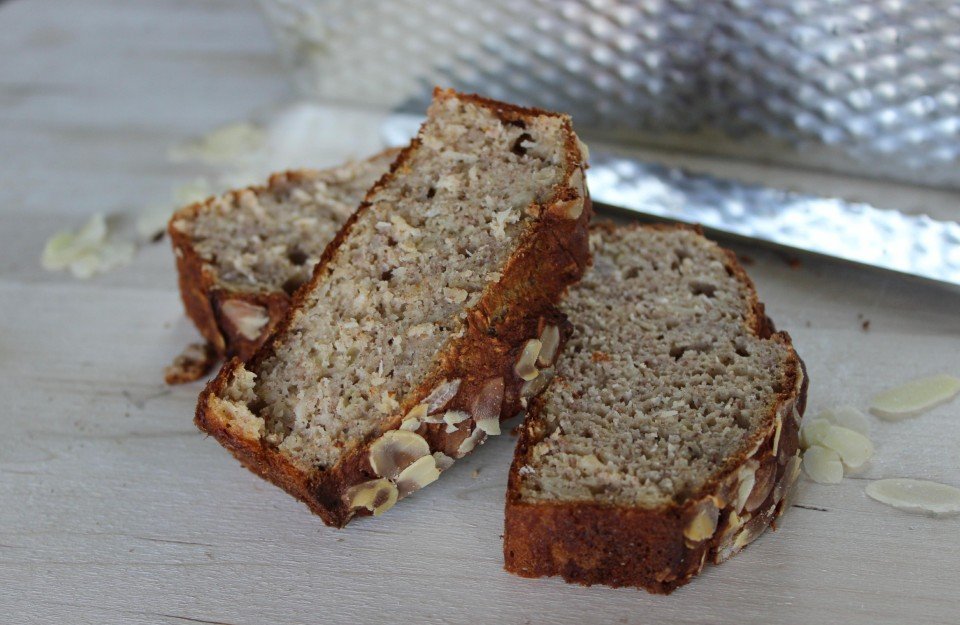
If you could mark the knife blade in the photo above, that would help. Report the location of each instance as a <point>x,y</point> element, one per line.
<point>916,245</point>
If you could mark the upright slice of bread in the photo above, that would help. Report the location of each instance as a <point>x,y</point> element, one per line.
<point>241,255</point>
<point>670,433</point>
<point>423,322</point>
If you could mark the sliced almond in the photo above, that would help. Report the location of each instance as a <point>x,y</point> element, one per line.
<point>418,412</point>
<point>778,430</point>
<point>443,461</point>
<point>913,398</point>
<point>453,418</point>
<point>846,417</point>
<point>476,437</point>
<point>549,343</point>
<point>576,181</point>
<point>422,472</point>
<point>441,396</point>
<point>734,523</point>
<point>739,533</point>
<point>488,402</point>
<point>526,367</point>
<point>823,465</point>
<point>568,209</point>
<point>395,451</point>
<point>763,484</point>
<point>249,319</point>
<point>917,496</point>
<point>790,473</point>
<point>410,424</point>
<point>854,448</point>
<point>490,427</point>
<point>534,387</point>
<point>704,523</point>
<point>747,535</point>
<point>813,432</point>
<point>746,478</point>
<point>377,496</point>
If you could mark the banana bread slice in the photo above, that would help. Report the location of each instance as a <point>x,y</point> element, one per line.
<point>240,256</point>
<point>669,435</point>
<point>426,318</point>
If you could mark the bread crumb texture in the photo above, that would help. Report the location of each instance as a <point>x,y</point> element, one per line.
<point>270,238</point>
<point>432,238</point>
<point>680,385</point>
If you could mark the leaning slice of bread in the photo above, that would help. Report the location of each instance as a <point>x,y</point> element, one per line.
<point>240,256</point>
<point>669,435</point>
<point>427,319</point>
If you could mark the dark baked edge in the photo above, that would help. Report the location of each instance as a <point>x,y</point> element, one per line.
<point>552,254</point>
<point>590,543</point>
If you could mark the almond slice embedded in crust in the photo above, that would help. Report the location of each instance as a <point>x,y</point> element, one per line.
<point>534,387</point>
<point>395,451</point>
<point>454,418</point>
<point>486,407</point>
<point>746,478</point>
<point>526,367</point>
<point>422,472</point>
<point>377,496</point>
<point>476,437</point>
<point>703,525</point>
<point>248,319</point>
<point>438,399</point>
<point>549,343</point>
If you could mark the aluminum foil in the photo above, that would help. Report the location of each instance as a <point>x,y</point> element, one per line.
<point>864,86</point>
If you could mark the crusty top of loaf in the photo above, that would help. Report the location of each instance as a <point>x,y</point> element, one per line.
<point>665,378</point>
<point>269,239</point>
<point>430,240</point>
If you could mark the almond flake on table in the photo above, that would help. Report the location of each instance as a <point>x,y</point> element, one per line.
<point>823,465</point>
<point>854,448</point>
<point>846,417</point>
<point>916,496</point>
<point>914,397</point>
<point>88,251</point>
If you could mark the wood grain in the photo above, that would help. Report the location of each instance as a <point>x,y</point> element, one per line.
<point>114,509</point>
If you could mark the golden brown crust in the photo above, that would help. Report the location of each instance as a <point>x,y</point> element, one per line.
<point>203,297</point>
<point>588,543</point>
<point>552,254</point>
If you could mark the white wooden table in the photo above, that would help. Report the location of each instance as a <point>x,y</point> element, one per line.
<point>114,509</point>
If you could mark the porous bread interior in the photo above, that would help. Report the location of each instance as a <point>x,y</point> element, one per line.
<point>434,237</point>
<point>663,379</point>
<point>271,239</point>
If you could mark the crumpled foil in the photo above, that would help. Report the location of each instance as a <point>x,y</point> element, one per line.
<point>864,86</point>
